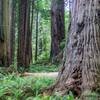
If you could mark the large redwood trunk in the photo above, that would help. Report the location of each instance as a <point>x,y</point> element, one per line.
<point>24,36</point>
<point>57,27</point>
<point>81,65</point>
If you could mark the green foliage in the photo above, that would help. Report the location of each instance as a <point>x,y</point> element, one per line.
<point>89,95</point>
<point>69,97</point>
<point>42,4</point>
<point>43,68</point>
<point>62,45</point>
<point>43,56</point>
<point>13,87</point>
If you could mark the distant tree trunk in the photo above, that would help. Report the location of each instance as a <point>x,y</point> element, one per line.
<point>1,21</point>
<point>12,31</point>
<point>31,27</point>
<point>5,31</point>
<point>2,40</point>
<point>7,9</point>
<point>57,27</point>
<point>24,36</point>
<point>81,65</point>
<point>8,23</point>
<point>29,36</point>
<point>40,46</point>
<point>36,43</point>
<point>32,13</point>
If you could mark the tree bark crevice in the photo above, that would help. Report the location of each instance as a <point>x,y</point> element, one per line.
<point>81,68</point>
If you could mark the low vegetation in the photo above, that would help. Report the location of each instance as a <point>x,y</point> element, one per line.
<point>44,68</point>
<point>14,87</point>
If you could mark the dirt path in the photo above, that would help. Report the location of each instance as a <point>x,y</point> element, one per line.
<point>45,74</point>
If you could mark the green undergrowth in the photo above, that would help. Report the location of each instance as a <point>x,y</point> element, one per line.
<point>32,68</point>
<point>13,87</point>
<point>43,68</point>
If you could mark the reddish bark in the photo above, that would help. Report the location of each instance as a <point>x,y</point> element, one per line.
<point>57,27</point>
<point>81,66</point>
<point>25,36</point>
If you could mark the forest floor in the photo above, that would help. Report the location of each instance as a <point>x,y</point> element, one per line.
<point>39,70</point>
<point>36,68</point>
<point>41,74</point>
<point>29,84</point>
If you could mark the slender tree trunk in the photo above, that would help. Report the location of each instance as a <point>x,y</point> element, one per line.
<point>9,8</point>
<point>1,34</point>
<point>36,44</point>
<point>1,21</point>
<point>10,37</point>
<point>12,31</point>
<point>57,27</point>
<point>29,38</point>
<point>31,28</point>
<point>40,46</point>
<point>81,65</point>
<point>32,11</point>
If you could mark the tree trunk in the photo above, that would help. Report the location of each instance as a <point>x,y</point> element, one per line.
<point>5,32</point>
<point>24,37</point>
<point>57,27</point>
<point>12,31</point>
<point>81,62</point>
<point>28,57</point>
<point>1,21</point>
<point>1,34</point>
<point>4,25</point>
<point>36,44</point>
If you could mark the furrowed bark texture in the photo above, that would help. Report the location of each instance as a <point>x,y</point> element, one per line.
<point>81,65</point>
<point>10,35</point>
<point>57,27</point>
<point>12,31</point>
<point>24,37</point>
<point>4,31</point>
<point>29,37</point>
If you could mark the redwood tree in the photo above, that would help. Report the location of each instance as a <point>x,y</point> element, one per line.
<point>5,21</point>
<point>57,27</point>
<point>81,64</point>
<point>1,34</point>
<point>24,35</point>
<point>12,31</point>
